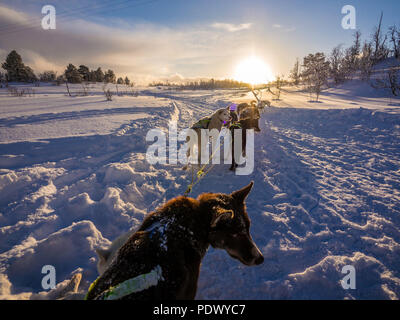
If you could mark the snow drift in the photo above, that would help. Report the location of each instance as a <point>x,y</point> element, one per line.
<point>326,191</point>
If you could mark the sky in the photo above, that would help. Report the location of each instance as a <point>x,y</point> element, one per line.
<point>149,40</point>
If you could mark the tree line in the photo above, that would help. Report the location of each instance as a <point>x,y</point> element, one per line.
<point>17,71</point>
<point>343,64</point>
<point>204,84</point>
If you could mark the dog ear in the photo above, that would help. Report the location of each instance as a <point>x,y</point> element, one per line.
<point>221,213</point>
<point>241,195</point>
<point>103,254</point>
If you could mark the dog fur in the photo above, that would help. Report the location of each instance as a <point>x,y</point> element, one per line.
<point>106,255</point>
<point>176,238</point>
<point>249,116</point>
<point>217,121</point>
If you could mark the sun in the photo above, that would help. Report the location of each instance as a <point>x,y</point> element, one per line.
<point>253,70</point>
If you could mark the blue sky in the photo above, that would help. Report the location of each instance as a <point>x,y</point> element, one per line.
<point>166,38</point>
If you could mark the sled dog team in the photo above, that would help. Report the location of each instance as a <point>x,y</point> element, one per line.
<point>161,259</point>
<point>239,118</point>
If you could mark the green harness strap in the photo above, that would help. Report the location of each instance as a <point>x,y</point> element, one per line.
<point>202,124</point>
<point>235,125</point>
<point>132,285</point>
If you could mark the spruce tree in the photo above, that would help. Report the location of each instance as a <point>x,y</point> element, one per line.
<point>84,72</point>
<point>109,76</point>
<point>99,75</point>
<point>72,75</point>
<point>16,70</point>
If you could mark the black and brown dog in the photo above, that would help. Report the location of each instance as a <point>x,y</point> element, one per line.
<point>161,261</point>
<point>248,118</point>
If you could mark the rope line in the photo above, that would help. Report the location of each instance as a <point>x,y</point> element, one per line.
<point>201,174</point>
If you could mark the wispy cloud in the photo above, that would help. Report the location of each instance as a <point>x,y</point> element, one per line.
<point>290,29</point>
<point>283,28</point>
<point>144,52</point>
<point>231,27</point>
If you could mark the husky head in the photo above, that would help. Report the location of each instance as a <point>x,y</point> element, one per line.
<point>230,227</point>
<point>249,117</point>
<point>223,115</point>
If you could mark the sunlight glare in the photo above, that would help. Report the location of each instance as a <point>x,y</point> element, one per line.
<point>253,70</point>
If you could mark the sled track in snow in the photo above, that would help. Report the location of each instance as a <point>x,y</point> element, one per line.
<point>326,195</point>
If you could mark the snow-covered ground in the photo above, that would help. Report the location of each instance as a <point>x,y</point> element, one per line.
<point>327,188</point>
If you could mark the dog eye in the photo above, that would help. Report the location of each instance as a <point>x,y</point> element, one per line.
<point>239,234</point>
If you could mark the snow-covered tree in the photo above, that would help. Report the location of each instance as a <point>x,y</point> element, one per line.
<point>381,51</point>
<point>394,35</point>
<point>366,61</point>
<point>278,83</point>
<point>315,72</point>
<point>394,80</point>
<point>295,73</point>
<point>390,79</point>
<point>337,70</point>
<point>120,81</point>
<point>127,81</point>
<point>354,51</point>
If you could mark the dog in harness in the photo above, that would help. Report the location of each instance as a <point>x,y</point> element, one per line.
<point>220,118</point>
<point>161,260</point>
<point>202,123</point>
<point>248,116</point>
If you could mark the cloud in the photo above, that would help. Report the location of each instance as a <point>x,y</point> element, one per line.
<point>283,28</point>
<point>291,29</point>
<point>144,52</point>
<point>231,27</point>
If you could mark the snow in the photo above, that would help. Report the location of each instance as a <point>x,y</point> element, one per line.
<point>74,176</point>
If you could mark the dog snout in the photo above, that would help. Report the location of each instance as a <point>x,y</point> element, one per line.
<point>258,257</point>
<point>259,260</point>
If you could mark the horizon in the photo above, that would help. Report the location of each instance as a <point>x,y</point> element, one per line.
<point>157,40</point>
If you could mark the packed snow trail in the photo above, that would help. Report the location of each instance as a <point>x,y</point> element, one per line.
<point>326,195</point>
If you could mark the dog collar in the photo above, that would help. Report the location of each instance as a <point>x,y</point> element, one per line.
<point>132,285</point>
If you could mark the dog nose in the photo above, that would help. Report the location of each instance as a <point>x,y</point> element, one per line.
<point>259,260</point>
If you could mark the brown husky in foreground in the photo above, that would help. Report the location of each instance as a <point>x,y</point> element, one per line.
<point>162,259</point>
